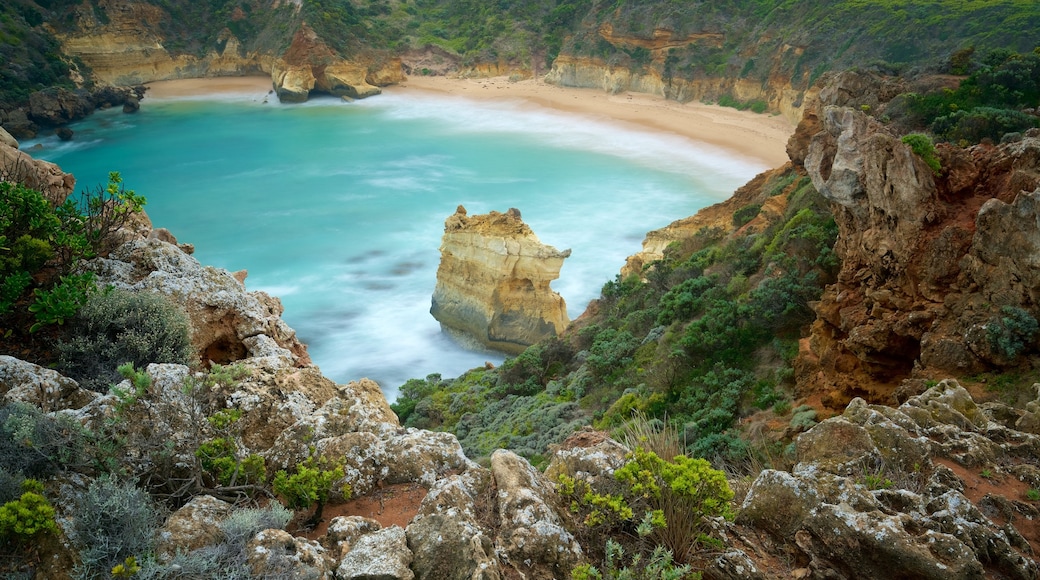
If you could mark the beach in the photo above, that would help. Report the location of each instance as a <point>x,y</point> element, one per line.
<point>761,137</point>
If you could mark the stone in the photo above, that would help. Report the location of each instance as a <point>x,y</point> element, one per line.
<point>193,526</point>
<point>531,532</point>
<point>7,139</point>
<point>40,387</point>
<point>43,176</point>
<point>380,555</point>
<point>276,553</point>
<point>493,282</point>
<point>344,531</point>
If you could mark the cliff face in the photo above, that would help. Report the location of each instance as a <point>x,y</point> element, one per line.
<point>583,72</point>
<point>493,281</point>
<point>934,265</point>
<point>126,47</point>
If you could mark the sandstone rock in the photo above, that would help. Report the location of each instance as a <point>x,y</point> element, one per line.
<point>124,45</point>
<point>58,106</point>
<point>7,139</point>
<point>276,553</point>
<point>531,532</point>
<point>928,260</point>
<point>193,526</point>
<point>493,282</point>
<point>310,65</point>
<point>412,456</point>
<point>446,548</point>
<point>594,464</point>
<point>43,176</point>
<point>381,555</point>
<point>42,388</point>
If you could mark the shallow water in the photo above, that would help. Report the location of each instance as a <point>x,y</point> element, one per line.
<point>338,208</point>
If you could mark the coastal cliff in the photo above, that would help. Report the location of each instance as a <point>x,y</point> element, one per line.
<point>938,265</point>
<point>493,282</point>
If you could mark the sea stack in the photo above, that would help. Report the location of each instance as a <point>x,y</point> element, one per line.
<point>493,282</point>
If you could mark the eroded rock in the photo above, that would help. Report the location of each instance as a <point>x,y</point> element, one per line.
<point>493,282</point>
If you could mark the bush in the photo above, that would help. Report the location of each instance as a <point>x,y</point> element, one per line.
<point>38,445</point>
<point>665,502</point>
<point>28,516</point>
<point>116,327</point>
<point>1013,332</point>
<point>309,485</point>
<point>922,146</point>
<point>981,123</point>
<point>113,521</point>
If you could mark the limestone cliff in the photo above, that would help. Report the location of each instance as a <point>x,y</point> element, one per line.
<point>123,44</point>
<point>493,281</point>
<point>585,72</point>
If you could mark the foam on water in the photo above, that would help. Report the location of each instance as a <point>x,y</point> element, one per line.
<point>339,208</point>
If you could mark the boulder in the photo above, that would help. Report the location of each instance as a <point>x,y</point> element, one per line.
<point>869,498</point>
<point>40,387</point>
<point>380,555</point>
<point>193,526</point>
<point>446,536</point>
<point>531,532</point>
<point>43,176</point>
<point>7,139</point>
<point>278,554</point>
<point>493,282</point>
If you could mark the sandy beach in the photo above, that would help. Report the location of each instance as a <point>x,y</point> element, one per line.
<point>757,136</point>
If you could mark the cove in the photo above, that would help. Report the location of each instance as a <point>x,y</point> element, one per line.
<point>338,208</point>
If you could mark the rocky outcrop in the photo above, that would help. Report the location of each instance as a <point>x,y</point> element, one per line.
<point>932,263</point>
<point>43,176</point>
<point>880,492</point>
<point>311,66</point>
<point>125,46</point>
<point>493,282</point>
<point>229,323</point>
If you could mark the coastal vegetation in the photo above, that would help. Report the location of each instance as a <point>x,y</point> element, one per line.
<point>707,339</point>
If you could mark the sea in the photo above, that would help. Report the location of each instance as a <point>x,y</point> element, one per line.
<point>338,208</point>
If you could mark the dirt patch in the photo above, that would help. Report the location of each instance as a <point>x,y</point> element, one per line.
<point>393,505</point>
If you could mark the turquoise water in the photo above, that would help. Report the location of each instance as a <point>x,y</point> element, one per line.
<point>338,208</point>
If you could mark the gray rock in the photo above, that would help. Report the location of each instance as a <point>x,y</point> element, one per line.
<point>381,555</point>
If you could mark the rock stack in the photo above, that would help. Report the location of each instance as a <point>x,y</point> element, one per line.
<point>493,282</point>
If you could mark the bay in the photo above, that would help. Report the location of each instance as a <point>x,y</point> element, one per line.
<point>338,208</point>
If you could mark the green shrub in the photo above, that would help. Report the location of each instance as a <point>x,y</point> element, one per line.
<point>922,146</point>
<point>309,485</point>
<point>35,233</point>
<point>28,516</point>
<point>116,327</point>
<point>981,123</point>
<point>113,521</point>
<point>1013,332</point>
<point>665,502</point>
<point>658,566</point>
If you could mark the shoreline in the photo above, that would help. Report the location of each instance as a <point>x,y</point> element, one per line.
<point>758,137</point>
